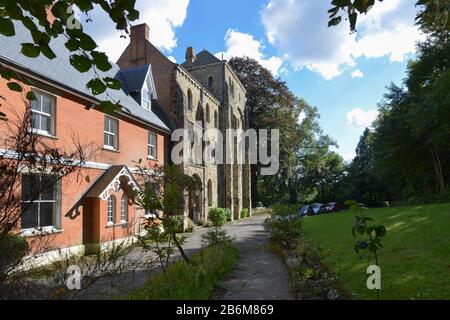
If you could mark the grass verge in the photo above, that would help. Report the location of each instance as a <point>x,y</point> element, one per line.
<point>415,260</point>
<point>190,282</point>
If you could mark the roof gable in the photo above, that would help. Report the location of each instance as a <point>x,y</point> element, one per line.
<point>111,180</point>
<point>202,58</point>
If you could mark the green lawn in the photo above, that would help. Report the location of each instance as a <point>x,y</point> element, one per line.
<point>415,262</point>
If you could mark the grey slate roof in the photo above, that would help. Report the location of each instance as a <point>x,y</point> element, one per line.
<point>60,71</point>
<point>202,58</point>
<point>133,78</point>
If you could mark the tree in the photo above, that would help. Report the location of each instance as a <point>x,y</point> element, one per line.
<point>432,16</point>
<point>43,26</point>
<point>271,105</point>
<point>163,196</point>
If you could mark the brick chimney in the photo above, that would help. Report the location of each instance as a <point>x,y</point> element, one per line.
<point>139,37</point>
<point>190,56</point>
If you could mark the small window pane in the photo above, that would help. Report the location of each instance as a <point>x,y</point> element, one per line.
<point>29,218</point>
<point>46,214</point>
<point>45,124</point>
<point>46,104</point>
<point>35,104</point>
<point>30,187</point>
<point>48,188</point>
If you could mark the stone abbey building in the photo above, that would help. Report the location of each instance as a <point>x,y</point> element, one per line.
<point>202,93</point>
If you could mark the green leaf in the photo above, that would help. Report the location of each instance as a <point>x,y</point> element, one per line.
<point>353,18</point>
<point>31,96</point>
<point>87,43</point>
<point>96,86</point>
<point>113,83</point>
<point>109,107</point>
<point>72,44</point>
<point>48,52</point>
<point>30,50</point>
<point>341,3</point>
<point>14,86</point>
<point>7,27</point>
<point>101,61</point>
<point>334,21</point>
<point>80,62</point>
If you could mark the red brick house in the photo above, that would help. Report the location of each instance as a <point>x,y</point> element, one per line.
<point>79,215</point>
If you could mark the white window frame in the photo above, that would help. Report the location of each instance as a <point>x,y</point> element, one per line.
<point>51,116</point>
<point>111,211</point>
<point>146,99</point>
<point>152,146</point>
<point>108,132</point>
<point>39,230</point>
<point>124,209</point>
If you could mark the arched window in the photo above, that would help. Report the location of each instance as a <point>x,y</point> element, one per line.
<point>211,83</point>
<point>111,210</point>
<point>210,194</point>
<point>124,209</point>
<point>216,120</point>
<point>190,102</point>
<point>208,115</point>
<point>199,119</point>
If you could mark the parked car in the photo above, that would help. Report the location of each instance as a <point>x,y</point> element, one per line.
<point>318,208</point>
<point>334,207</point>
<point>303,211</point>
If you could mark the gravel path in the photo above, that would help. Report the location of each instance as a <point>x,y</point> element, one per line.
<point>259,275</point>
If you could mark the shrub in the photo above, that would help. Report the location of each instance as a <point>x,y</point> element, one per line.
<point>217,237</point>
<point>219,216</point>
<point>13,249</point>
<point>287,230</point>
<point>190,225</point>
<point>245,213</point>
<point>195,281</point>
<point>174,224</point>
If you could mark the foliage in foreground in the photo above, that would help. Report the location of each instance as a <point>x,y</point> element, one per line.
<point>194,281</point>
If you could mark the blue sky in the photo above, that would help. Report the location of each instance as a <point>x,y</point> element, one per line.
<point>342,74</point>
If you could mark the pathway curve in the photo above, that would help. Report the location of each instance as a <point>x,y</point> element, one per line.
<point>260,274</point>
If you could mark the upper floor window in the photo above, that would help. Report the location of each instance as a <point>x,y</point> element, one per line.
<point>43,113</point>
<point>146,99</point>
<point>216,120</point>
<point>152,149</point>
<point>190,100</point>
<point>111,210</point>
<point>40,201</point>
<point>111,133</point>
<point>211,83</point>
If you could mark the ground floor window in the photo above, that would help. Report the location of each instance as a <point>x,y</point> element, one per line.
<point>111,210</point>
<point>40,201</point>
<point>124,209</point>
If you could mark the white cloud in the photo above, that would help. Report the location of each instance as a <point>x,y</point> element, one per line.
<point>163,17</point>
<point>359,118</point>
<point>240,44</point>
<point>349,156</point>
<point>172,58</point>
<point>357,74</point>
<point>299,30</point>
